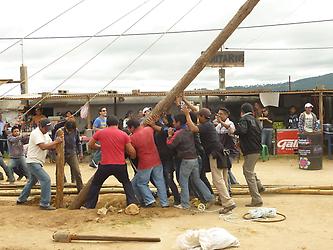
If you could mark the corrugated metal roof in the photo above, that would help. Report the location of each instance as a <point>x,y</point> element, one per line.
<point>158,93</point>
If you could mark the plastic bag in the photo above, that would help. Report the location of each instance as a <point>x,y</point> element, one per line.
<point>262,212</point>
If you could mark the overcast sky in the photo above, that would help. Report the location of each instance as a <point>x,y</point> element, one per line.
<point>162,66</point>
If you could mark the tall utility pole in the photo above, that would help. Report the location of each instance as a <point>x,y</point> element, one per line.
<point>24,79</point>
<point>289,83</point>
<point>222,79</point>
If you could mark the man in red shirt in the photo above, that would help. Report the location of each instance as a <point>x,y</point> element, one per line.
<point>149,165</point>
<point>113,144</point>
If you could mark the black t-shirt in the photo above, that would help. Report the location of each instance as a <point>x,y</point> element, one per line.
<point>209,137</point>
<point>266,124</point>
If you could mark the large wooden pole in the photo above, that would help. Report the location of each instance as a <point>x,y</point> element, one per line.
<point>201,62</point>
<point>190,75</point>
<point>81,197</point>
<point>60,163</point>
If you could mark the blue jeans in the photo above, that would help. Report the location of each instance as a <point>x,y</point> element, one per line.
<point>141,188</point>
<point>18,165</point>
<point>190,169</point>
<point>266,138</point>
<point>5,168</point>
<point>37,174</point>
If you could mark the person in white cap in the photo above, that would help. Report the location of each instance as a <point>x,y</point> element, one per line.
<point>308,120</point>
<point>146,111</point>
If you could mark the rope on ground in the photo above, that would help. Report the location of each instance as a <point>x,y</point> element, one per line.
<point>281,217</point>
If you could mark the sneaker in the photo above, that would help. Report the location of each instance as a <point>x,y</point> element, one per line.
<point>21,202</point>
<point>179,206</point>
<point>153,204</point>
<point>93,164</point>
<point>226,210</point>
<point>83,208</point>
<point>252,204</point>
<point>49,207</point>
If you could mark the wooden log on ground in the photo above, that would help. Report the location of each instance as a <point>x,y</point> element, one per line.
<point>201,62</point>
<point>60,172</point>
<point>81,197</point>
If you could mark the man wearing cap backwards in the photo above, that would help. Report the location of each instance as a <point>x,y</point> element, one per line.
<point>249,131</point>
<point>39,143</point>
<point>213,148</point>
<point>308,121</point>
<point>145,112</point>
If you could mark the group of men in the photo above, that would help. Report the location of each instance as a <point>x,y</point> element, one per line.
<point>177,148</point>
<point>188,144</point>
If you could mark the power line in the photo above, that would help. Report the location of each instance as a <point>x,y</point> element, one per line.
<point>54,18</point>
<point>172,32</point>
<point>140,55</point>
<point>98,53</point>
<point>78,45</point>
<point>279,49</point>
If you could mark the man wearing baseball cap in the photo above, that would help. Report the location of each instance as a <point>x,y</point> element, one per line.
<point>308,121</point>
<point>39,143</point>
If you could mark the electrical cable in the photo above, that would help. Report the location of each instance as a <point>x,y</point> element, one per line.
<point>279,49</point>
<point>173,32</point>
<point>140,55</point>
<point>78,45</point>
<point>87,62</point>
<point>40,27</point>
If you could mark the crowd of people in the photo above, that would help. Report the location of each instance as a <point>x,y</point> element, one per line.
<point>179,148</point>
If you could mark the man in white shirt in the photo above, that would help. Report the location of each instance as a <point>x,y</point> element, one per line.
<point>39,143</point>
<point>308,121</point>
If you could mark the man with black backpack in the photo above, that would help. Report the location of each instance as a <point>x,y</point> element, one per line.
<point>249,131</point>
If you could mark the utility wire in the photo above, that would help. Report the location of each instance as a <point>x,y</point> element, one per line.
<point>54,18</point>
<point>87,62</point>
<point>140,55</point>
<point>79,45</point>
<point>172,32</point>
<point>279,49</point>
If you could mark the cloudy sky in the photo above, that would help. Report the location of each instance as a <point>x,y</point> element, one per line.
<point>165,63</point>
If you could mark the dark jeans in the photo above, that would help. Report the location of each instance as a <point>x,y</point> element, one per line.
<point>168,170</point>
<point>102,173</point>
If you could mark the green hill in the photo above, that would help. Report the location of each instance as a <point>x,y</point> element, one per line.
<point>325,81</point>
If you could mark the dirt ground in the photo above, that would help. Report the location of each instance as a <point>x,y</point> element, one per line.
<point>308,223</point>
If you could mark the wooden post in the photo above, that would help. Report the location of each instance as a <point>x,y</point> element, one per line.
<point>60,163</point>
<point>321,109</point>
<point>115,106</point>
<point>89,115</point>
<point>201,62</point>
<point>206,101</point>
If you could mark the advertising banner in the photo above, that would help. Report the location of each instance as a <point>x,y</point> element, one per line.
<point>287,141</point>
